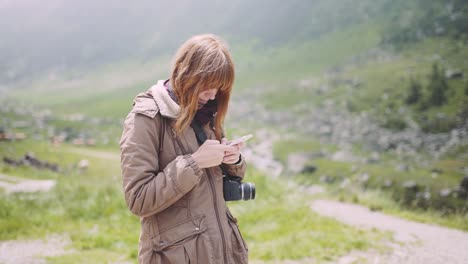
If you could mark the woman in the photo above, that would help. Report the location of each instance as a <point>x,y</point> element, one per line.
<point>171,182</point>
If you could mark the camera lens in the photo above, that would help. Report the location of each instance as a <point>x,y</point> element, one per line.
<point>248,191</point>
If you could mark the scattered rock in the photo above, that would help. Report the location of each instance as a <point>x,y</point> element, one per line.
<point>300,162</point>
<point>83,165</point>
<point>374,158</point>
<point>445,192</point>
<point>29,159</point>
<point>10,136</point>
<point>402,168</point>
<point>363,178</point>
<point>84,142</point>
<point>297,162</point>
<point>345,183</point>
<point>387,183</point>
<point>327,179</point>
<point>309,169</point>
<point>343,156</point>
<point>453,74</point>
<point>305,83</point>
<point>411,185</point>
<point>465,171</point>
<point>426,195</point>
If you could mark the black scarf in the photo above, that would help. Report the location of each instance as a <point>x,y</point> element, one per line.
<point>205,114</point>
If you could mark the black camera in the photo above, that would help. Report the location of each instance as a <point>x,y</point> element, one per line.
<point>235,190</point>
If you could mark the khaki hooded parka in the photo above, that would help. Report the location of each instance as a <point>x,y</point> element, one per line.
<point>184,218</point>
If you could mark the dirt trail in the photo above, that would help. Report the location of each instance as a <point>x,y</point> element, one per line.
<point>13,184</point>
<point>33,251</point>
<point>114,156</point>
<point>417,243</point>
<point>422,243</point>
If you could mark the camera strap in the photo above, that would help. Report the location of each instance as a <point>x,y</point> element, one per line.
<point>201,137</point>
<point>199,132</point>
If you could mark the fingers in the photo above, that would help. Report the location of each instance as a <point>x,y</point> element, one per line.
<point>239,145</point>
<point>221,146</point>
<point>235,151</point>
<point>227,148</point>
<point>230,159</point>
<point>211,142</point>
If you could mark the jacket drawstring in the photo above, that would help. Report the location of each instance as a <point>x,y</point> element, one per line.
<point>161,136</point>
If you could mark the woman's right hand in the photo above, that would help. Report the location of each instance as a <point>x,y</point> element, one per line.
<point>211,153</point>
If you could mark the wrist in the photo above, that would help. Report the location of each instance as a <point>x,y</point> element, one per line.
<point>195,159</point>
<point>191,162</point>
<point>238,161</point>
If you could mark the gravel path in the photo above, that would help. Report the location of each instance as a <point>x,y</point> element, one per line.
<point>13,184</point>
<point>423,243</point>
<point>417,243</point>
<point>109,155</point>
<point>33,251</point>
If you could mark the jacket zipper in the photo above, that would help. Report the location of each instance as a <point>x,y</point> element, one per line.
<point>213,188</point>
<point>215,201</point>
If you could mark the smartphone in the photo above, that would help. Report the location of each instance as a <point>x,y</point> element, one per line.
<point>239,140</point>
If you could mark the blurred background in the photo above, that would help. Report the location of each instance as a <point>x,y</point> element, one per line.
<point>362,102</point>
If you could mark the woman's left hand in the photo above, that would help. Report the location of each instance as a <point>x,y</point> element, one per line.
<point>231,157</point>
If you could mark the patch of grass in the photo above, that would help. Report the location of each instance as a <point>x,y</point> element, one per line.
<point>297,60</point>
<point>106,92</point>
<point>345,181</point>
<point>385,83</point>
<point>279,224</point>
<point>90,208</point>
<point>282,149</point>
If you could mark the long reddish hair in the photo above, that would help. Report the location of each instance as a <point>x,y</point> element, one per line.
<point>203,62</point>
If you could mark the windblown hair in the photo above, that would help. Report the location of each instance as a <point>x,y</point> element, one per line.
<point>203,62</point>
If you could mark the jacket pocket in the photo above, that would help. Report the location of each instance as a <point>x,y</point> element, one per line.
<point>239,247</point>
<point>175,243</point>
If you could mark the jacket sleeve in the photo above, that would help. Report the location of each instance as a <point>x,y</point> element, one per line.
<point>237,169</point>
<point>148,188</point>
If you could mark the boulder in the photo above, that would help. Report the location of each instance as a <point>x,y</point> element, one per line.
<point>297,162</point>
<point>363,178</point>
<point>301,162</point>
<point>83,165</point>
<point>411,186</point>
<point>387,183</point>
<point>445,192</point>
<point>309,169</point>
<point>453,74</point>
<point>327,179</point>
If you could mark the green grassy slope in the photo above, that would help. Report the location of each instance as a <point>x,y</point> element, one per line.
<point>107,92</point>
<point>347,54</point>
<point>90,208</point>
